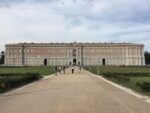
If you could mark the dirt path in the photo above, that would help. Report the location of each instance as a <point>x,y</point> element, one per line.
<point>71,93</point>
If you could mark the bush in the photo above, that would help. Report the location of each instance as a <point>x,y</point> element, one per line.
<point>145,86</point>
<point>138,83</point>
<point>119,77</point>
<point>12,80</point>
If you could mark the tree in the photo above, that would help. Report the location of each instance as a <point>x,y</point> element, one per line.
<point>147,58</point>
<point>2,57</point>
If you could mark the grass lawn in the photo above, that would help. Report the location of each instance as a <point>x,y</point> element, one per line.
<point>118,69</point>
<point>42,70</point>
<point>133,83</point>
<point>126,76</point>
<point>12,77</point>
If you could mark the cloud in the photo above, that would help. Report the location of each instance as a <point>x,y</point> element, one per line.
<point>69,20</point>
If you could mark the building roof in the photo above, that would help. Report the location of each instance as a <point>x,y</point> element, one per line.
<point>75,44</point>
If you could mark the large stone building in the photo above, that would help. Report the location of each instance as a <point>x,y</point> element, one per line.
<point>36,54</point>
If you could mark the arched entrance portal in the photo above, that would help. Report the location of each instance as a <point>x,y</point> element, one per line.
<point>103,62</point>
<point>45,62</point>
<point>74,61</point>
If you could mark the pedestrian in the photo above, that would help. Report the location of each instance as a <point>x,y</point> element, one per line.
<point>64,69</point>
<point>55,70</point>
<point>72,69</point>
<point>59,70</point>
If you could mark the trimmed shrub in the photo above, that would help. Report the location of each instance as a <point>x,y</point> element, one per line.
<point>145,86</point>
<point>138,83</point>
<point>8,81</point>
<point>119,77</point>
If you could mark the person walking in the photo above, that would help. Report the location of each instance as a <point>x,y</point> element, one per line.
<point>64,69</point>
<point>72,69</point>
<point>59,69</point>
<point>55,70</point>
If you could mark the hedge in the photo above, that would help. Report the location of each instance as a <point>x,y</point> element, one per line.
<point>118,77</point>
<point>145,86</point>
<point>8,81</point>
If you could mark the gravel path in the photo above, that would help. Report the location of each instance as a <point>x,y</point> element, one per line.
<point>71,93</point>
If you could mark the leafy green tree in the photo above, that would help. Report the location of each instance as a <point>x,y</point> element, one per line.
<point>2,57</point>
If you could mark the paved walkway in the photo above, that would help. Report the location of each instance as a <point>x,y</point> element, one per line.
<point>71,93</point>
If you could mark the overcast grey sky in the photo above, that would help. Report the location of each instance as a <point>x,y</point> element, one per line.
<point>75,20</point>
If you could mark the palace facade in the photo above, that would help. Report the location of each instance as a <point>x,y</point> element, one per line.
<point>37,54</point>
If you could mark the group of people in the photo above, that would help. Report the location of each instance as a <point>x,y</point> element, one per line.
<point>59,69</point>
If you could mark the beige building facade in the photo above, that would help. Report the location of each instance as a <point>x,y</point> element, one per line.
<point>37,54</point>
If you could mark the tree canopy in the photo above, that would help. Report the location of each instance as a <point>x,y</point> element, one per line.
<point>2,57</point>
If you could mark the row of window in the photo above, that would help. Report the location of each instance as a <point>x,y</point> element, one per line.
<point>74,52</point>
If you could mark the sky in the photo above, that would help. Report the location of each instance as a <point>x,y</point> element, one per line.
<point>75,20</point>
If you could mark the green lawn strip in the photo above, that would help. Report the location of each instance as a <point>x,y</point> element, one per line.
<point>12,77</point>
<point>125,76</point>
<point>132,84</point>
<point>9,81</point>
<point>42,70</point>
<point>118,69</point>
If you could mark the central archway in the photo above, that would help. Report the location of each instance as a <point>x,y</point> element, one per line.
<point>45,62</point>
<point>103,62</point>
<point>74,61</point>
